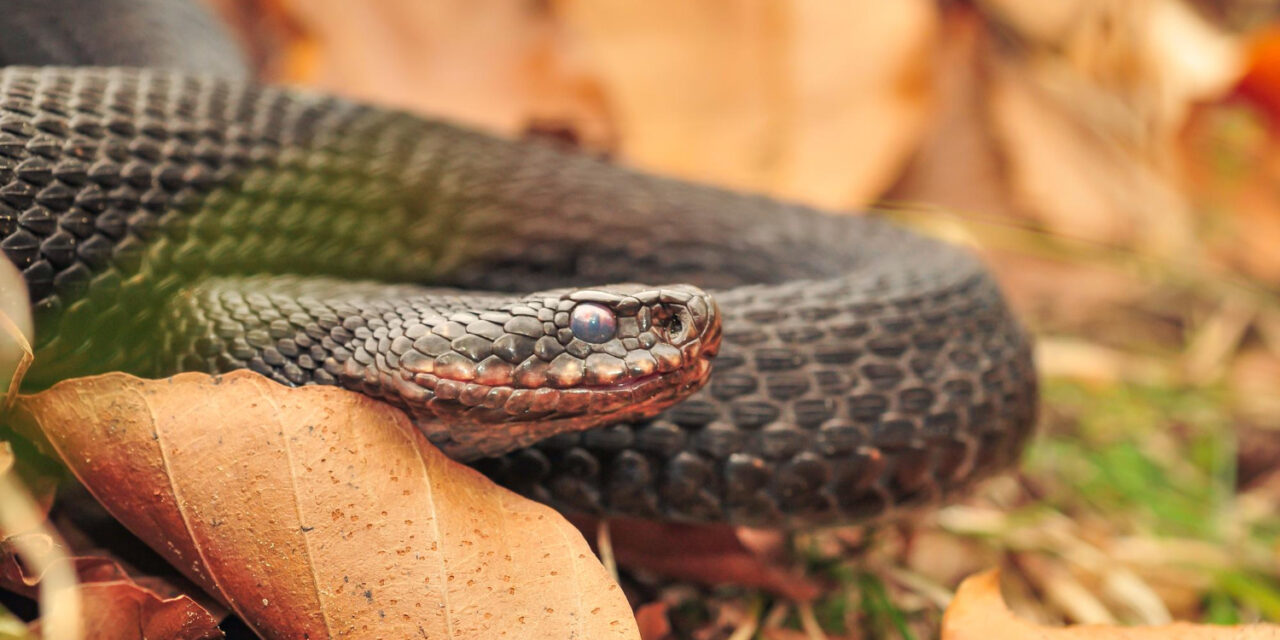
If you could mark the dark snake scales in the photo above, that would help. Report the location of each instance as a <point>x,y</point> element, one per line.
<point>166,221</point>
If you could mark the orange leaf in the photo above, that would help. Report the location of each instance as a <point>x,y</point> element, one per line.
<point>319,512</point>
<point>978,611</point>
<point>104,550</point>
<point>113,606</point>
<point>653,622</point>
<point>121,609</point>
<point>767,96</point>
<point>1261,81</point>
<point>709,554</point>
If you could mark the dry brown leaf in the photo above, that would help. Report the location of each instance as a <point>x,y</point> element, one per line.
<point>978,611</point>
<point>1231,164</point>
<point>118,608</point>
<point>1079,181</point>
<point>32,555</point>
<point>653,622</point>
<point>957,164</point>
<point>489,63</point>
<point>88,531</point>
<point>446,58</point>
<point>818,101</point>
<point>123,610</point>
<point>1073,119</point>
<point>1261,81</point>
<point>1087,117</point>
<point>707,554</point>
<point>318,512</point>
<point>113,605</point>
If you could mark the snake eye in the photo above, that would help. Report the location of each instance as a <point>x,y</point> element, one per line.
<point>593,323</point>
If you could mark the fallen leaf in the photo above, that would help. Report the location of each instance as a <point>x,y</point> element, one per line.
<point>488,63</point>
<point>1261,80</point>
<point>1070,116</point>
<point>117,608</point>
<point>1231,166</point>
<point>268,34</point>
<point>89,531</point>
<point>957,164</point>
<point>319,512</point>
<point>768,96</point>
<point>32,557</point>
<point>653,622</point>
<point>978,611</point>
<point>708,554</point>
<point>1087,116</point>
<point>112,605</point>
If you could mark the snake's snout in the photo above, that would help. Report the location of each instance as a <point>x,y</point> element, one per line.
<point>690,321</point>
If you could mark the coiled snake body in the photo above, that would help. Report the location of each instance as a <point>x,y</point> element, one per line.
<point>166,221</point>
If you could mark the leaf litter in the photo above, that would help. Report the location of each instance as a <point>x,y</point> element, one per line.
<point>1023,150</point>
<point>318,512</point>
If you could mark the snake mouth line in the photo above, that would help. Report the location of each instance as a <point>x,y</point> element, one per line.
<point>625,384</point>
<point>703,360</point>
<point>651,392</point>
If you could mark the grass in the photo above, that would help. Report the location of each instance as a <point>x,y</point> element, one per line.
<point>1159,464</point>
<point>1162,458</point>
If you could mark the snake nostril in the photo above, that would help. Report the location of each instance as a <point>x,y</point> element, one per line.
<point>677,325</point>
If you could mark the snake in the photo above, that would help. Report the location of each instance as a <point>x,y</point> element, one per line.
<point>755,361</point>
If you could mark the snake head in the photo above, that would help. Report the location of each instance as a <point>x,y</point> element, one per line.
<point>557,361</point>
